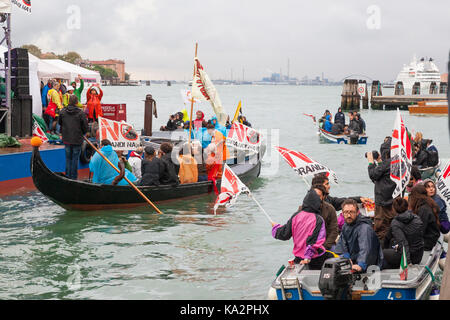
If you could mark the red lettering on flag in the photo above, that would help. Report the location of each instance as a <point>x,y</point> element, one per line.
<point>114,132</point>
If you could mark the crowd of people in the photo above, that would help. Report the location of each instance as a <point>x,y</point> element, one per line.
<point>55,96</point>
<point>412,222</point>
<point>356,124</point>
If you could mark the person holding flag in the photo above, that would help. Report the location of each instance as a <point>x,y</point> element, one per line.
<point>379,172</point>
<point>307,229</point>
<point>404,237</point>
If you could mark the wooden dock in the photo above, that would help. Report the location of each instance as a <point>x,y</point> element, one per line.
<point>402,101</point>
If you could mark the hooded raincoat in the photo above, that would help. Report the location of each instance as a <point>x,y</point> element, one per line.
<point>306,227</point>
<point>103,172</point>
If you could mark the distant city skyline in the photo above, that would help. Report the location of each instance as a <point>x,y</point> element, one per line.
<point>156,38</point>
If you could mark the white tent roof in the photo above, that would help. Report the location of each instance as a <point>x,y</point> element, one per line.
<point>45,70</point>
<point>75,70</point>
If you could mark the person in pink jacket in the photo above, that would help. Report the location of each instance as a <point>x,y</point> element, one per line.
<point>307,229</point>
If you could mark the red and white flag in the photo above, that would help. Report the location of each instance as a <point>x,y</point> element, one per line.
<point>443,184</point>
<point>401,156</point>
<point>38,132</point>
<point>230,188</point>
<point>242,137</point>
<point>203,89</point>
<point>303,165</point>
<point>121,134</point>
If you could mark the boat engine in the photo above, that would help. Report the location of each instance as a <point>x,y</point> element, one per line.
<point>336,279</point>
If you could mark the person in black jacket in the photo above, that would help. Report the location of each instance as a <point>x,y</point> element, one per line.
<point>339,117</point>
<point>405,232</point>
<point>379,172</point>
<point>337,128</point>
<point>425,207</point>
<point>353,124</point>
<point>169,173</point>
<point>74,126</point>
<point>151,169</point>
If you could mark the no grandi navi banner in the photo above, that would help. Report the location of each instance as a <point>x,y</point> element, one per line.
<point>25,5</point>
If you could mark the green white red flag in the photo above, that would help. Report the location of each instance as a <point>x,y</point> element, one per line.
<point>404,266</point>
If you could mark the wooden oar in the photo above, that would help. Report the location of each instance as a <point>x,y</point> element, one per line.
<point>131,184</point>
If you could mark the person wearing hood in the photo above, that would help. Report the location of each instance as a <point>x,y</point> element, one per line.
<point>78,91</point>
<point>199,122</point>
<point>307,230</point>
<point>219,140</point>
<point>102,171</point>
<point>430,186</point>
<point>358,241</point>
<point>405,232</point>
<point>74,126</point>
<point>218,126</point>
<point>94,104</point>
<point>135,161</point>
<point>353,125</point>
<point>380,174</point>
<point>339,117</point>
<point>361,123</point>
<point>327,125</point>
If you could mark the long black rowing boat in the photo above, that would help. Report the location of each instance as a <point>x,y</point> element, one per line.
<point>82,195</point>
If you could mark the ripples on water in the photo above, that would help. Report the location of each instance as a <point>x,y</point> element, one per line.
<point>187,253</point>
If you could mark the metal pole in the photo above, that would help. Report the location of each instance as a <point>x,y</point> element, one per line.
<point>8,75</point>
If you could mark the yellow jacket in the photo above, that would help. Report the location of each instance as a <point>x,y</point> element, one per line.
<point>55,97</point>
<point>66,101</point>
<point>188,169</point>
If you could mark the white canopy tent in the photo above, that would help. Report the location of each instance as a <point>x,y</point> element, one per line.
<point>42,70</point>
<point>74,70</point>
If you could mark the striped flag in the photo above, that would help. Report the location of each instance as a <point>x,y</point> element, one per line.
<point>230,188</point>
<point>404,266</point>
<point>401,156</point>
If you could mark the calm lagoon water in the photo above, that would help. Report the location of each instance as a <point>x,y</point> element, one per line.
<point>188,253</point>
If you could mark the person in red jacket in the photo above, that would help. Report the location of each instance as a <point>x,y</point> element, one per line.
<point>94,103</point>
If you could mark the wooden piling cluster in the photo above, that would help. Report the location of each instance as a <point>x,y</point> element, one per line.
<point>376,91</point>
<point>350,97</point>
<point>399,89</point>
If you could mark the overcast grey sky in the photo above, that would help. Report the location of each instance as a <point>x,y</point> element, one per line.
<point>156,38</point>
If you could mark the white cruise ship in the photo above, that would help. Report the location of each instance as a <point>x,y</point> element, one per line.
<point>423,71</point>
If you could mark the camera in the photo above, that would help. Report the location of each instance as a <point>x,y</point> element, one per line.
<point>375,154</point>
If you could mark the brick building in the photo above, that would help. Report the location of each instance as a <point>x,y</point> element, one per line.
<point>116,65</point>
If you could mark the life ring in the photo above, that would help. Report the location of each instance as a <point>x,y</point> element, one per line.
<point>86,152</point>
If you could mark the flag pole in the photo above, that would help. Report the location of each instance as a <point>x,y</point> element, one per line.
<point>192,98</point>
<point>127,180</point>
<point>237,112</point>
<point>262,209</point>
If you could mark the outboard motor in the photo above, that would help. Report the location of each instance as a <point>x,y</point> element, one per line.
<point>354,136</point>
<point>336,279</point>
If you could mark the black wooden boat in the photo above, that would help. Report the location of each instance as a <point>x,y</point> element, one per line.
<point>82,195</point>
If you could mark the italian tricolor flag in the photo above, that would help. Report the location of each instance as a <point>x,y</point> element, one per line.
<point>404,266</point>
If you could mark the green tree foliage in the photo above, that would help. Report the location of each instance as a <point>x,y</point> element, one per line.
<point>71,57</point>
<point>105,73</point>
<point>127,76</point>
<point>34,50</point>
